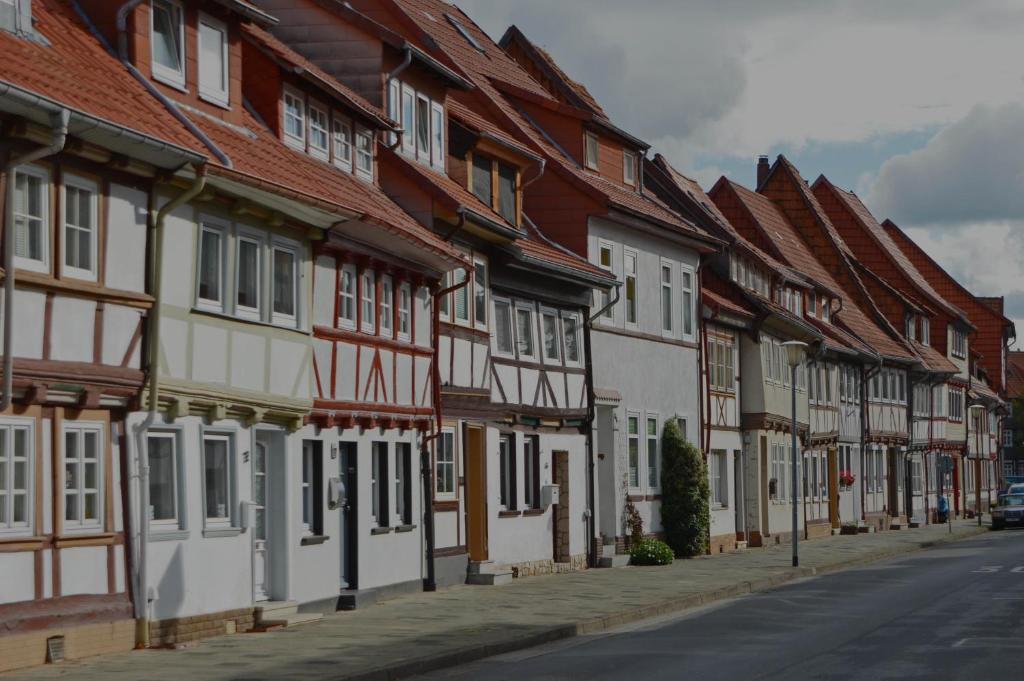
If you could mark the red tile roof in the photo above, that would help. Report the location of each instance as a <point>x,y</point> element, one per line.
<point>887,246</point>
<point>1015,374</point>
<point>482,126</point>
<point>720,293</point>
<point>77,71</point>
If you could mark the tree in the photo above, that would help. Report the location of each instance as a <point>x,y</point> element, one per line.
<point>685,494</point>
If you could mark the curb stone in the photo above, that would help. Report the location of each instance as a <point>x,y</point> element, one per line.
<point>678,604</point>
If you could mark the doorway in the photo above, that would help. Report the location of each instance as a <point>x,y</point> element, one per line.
<point>261,564</point>
<point>348,508</point>
<point>739,495</point>
<point>765,487</point>
<point>475,465</point>
<point>560,516</point>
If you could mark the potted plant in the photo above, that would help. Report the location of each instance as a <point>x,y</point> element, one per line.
<point>846,479</point>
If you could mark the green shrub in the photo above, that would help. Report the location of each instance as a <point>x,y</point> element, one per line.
<point>685,494</point>
<point>651,552</point>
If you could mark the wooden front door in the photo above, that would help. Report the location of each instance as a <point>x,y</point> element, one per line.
<point>765,491</point>
<point>833,488</point>
<point>560,516</point>
<point>475,454</point>
<point>894,495</point>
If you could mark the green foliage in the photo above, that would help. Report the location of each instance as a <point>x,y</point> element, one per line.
<point>651,552</point>
<point>685,494</point>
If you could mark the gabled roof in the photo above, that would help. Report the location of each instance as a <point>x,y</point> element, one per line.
<point>885,245</point>
<point>721,294</point>
<point>1015,374</point>
<point>482,126</point>
<point>297,64</point>
<point>74,69</point>
<point>793,251</point>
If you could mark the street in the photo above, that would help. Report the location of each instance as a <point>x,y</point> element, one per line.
<point>953,612</point>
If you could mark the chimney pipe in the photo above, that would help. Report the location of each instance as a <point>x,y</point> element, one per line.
<point>762,170</point>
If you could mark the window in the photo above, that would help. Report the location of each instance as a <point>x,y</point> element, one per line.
<point>444,481</point>
<point>508,179</point>
<point>368,294</point>
<point>825,309</point>
<point>507,472</point>
<point>959,344</point>
<point>312,488</point>
<point>629,168</point>
<point>480,293</point>
<point>570,333</point>
<point>162,455</point>
<point>481,180</point>
<point>604,297</point>
<point>80,219</point>
<point>378,484</point>
<point>387,305</point>
<point>549,335</point>
<point>83,475</point>
<point>464,33</point>
<point>247,278</point>
<point>902,382</point>
<point>632,309</point>
<point>403,482</point>
<point>342,136</point>
<point>211,266</point>
<point>405,311</point>
<point>364,153</point>
<point>168,42</point>
<point>285,290</point>
<point>1007,438</point>
<point>217,484</point>
<point>812,304</point>
<point>423,127</point>
<point>531,472</point>
<point>666,298</point>
<point>213,60</point>
<point>461,297</point>
<point>525,333</point>
<point>590,158</point>
<point>488,174</point>
<point>653,457</point>
<point>721,369</point>
<point>633,438</point>
<point>31,218</point>
<point>688,302</point>
<point>347,297</point>
<point>438,151</point>
<point>16,473</point>
<point>503,327</point>
<point>718,474</point>
<point>294,119</point>
<point>408,120</point>
<point>318,135</point>
<point>926,332</point>
<point>778,453</point>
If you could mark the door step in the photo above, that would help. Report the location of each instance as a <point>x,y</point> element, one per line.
<point>276,614</point>
<point>487,573</point>
<point>610,559</point>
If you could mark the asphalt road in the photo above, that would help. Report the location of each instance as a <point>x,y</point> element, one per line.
<point>953,612</point>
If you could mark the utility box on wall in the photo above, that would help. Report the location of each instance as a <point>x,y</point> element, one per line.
<point>549,495</point>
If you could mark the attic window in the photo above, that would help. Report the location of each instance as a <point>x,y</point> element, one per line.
<point>591,149</point>
<point>168,42</point>
<point>464,33</point>
<point>629,168</point>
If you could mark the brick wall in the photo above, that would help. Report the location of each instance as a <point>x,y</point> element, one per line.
<point>172,632</point>
<point>29,650</point>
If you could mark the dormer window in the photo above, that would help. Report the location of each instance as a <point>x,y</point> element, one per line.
<point>490,174</point>
<point>213,60</point>
<point>364,154</point>
<point>629,168</point>
<point>294,119</point>
<point>422,121</point>
<point>342,140</point>
<point>464,33</point>
<point>591,147</point>
<point>926,332</point>
<point>911,327</point>
<point>168,42</point>
<point>812,304</point>
<point>825,311</point>
<point>318,145</point>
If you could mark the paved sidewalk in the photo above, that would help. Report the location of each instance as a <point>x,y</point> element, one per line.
<point>424,632</point>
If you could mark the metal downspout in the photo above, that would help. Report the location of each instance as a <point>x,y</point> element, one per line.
<point>59,123</point>
<point>142,599</point>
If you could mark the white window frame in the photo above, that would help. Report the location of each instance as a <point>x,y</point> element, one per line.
<point>630,468</point>
<point>367,135</point>
<point>394,108</point>
<point>926,331</point>
<point>255,238</point>
<point>812,304</point>
<point>548,313</point>
<point>79,428</point>
<point>627,254</point>
<point>292,247</point>
<point>458,276</point>
<point>508,479</point>
<point>605,297</point>
<point>167,76</point>
<point>322,127</point>
<point>177,522</point>
<point>368,296</point>
<point>386,306</point>
<point>296,141</point>
<point>591,151</point>
<point>474,298</point>
<point>408,121</point>
<point>826,309</point>
<point>342,143</point>
<point>423,153</point>
<point>219,522</point>
<point>718,477</point>
<point>46,238</point>
<point>649,456</point>
<point>575,319</point>
<point>666,300</point>
<point>526,307</point>
<point>207,224</point>
<point>81,184</point>
<point>353,297</point>
<point>629,168</point>
<point>691,307</point>
<point>446,495</point>
<point>505,304</point>
<point>7,428</point>
<point>404,301</point>
<point>438,152</point>
<point>214,95</point>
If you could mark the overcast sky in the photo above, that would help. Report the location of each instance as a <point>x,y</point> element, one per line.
<point>918,105</point>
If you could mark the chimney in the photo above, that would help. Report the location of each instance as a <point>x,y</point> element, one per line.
<point>762,170</point>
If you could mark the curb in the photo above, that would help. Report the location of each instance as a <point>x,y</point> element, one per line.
<point>611,621</point>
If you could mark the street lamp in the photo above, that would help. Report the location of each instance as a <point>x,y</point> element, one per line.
<point>794,355</point>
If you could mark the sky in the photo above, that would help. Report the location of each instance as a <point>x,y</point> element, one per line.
<point>917,105</point>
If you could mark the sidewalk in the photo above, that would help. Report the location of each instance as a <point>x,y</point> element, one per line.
<point>419,633</point>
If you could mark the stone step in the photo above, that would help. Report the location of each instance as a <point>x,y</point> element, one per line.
<point>292,620</point>
<point>613,561</point>
<point>608,551</point>
<point>276,610</point>
<point>489,578</point>
<point>741,545</point>
<point>485,567</point>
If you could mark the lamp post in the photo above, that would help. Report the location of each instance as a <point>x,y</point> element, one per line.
<point>794,355</point>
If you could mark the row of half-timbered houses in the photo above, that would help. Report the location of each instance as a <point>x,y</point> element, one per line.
<point>311,304</point>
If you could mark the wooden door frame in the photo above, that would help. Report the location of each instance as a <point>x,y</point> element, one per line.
<point>476,533</point>
<point>833,486</point>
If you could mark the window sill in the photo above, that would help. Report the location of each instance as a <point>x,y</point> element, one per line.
<point>221,102</point>
<point>380,530</point>
<point>170,81</point>
<point>508,514</point>
<point>405,528</point>
<point>168,535</point>
<point>533,512</point>
<point>214,532</point>
<point>313,540</point>
<point>27,542</point>
<point>247,320</point>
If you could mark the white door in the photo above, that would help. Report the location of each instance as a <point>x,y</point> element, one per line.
<point>260,558</point>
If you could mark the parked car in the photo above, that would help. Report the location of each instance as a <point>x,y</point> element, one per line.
<point>1016,488</point>
<point>1010,511</point>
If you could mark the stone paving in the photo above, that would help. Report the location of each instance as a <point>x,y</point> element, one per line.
<point>429,631</point>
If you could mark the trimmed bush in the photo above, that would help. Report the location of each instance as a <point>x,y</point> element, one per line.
<point>685,494</point>
<point>651,552</point>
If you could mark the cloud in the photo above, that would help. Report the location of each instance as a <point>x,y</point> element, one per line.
<point>971,171</point>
